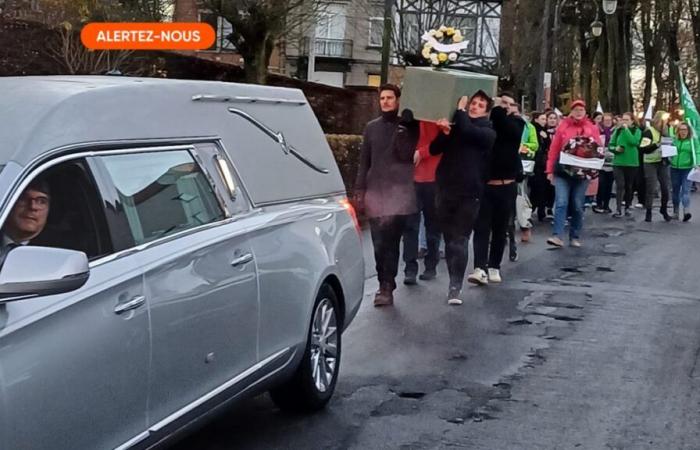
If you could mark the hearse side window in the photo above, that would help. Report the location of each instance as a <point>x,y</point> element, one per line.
<point>60,208</point>
<point>162,193</point>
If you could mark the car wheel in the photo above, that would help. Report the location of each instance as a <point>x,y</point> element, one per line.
<point>313,383</point>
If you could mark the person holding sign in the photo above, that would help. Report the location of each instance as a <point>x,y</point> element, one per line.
<point>688,157</point>
<point>625,146</point>
<point>570,185</point>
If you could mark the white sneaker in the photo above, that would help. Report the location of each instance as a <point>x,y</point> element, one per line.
<point>453,297</point>
<point>478,277</point>
<point>495,276</point>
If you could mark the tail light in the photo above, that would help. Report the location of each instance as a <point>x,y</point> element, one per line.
<point>353,214</point>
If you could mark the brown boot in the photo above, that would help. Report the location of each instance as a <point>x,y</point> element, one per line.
<point>384,296</point>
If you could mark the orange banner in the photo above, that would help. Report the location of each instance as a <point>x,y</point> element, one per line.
<point>148,36</point>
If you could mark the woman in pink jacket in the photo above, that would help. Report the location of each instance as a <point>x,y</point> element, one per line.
<point>569,187</point>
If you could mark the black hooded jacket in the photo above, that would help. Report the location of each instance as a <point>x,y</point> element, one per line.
<point>462,169</point>
<point>505,163</point>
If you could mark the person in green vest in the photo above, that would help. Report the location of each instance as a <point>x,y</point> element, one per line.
<point>688,157</point>
<point>530,143</point>
<point>624,144</point>
<point>656,170</point>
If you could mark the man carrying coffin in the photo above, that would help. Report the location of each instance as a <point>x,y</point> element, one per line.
<point>460,177</point>
<point>384,189</point>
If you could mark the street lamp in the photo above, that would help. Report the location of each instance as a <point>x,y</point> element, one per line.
<point>609,6</point>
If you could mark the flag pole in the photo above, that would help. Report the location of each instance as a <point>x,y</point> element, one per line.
<point>683,90</point>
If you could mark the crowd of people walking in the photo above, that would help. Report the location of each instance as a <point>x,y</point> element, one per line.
<point>490,170</point>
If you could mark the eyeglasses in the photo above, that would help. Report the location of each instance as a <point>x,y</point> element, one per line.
<point>40,202</point>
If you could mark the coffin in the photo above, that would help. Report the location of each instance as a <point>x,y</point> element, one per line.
<point>433,94</point>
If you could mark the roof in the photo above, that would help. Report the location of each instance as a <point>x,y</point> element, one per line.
<point>45,112</point>
<point>40,114</point>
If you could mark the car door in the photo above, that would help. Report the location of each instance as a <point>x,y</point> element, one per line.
<point>74,366</point>
<point>200,277</point>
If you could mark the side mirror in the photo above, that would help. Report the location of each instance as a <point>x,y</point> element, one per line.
<point>33,271</point>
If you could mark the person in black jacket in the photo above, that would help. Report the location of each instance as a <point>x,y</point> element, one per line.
<point>501,190</point>
<point>384,190</point>
<point>460,179</point>
<point>541,190</point>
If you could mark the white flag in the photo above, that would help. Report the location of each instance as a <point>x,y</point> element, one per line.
<point>649,115</point>
<point>599,108</point>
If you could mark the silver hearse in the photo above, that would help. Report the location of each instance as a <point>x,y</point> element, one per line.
<point>168,247</point>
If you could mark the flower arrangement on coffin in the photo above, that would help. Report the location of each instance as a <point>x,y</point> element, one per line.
<point>582,157</point>
<point>442,46</point>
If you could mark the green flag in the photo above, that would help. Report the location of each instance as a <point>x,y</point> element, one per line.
<point>691,113</point>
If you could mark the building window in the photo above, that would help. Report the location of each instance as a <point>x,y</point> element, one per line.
<point>374,80</point>
<point>376,31</point>
<point>223,29</point>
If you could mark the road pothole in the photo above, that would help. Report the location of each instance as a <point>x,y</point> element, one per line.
<point>411,395</point>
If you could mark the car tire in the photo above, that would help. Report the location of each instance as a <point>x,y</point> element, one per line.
<point>312,385</point>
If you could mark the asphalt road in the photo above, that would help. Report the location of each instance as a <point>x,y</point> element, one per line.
<point>592,348</point>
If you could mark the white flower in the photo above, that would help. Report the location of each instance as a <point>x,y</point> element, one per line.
<point>443,28</point>
<point>452,57</point>
<point>426,53</point>
<point>432,32</point>
<point>457,38</point>
<point>434,59</point>
<point>428,45</point>
<point>439,35</point>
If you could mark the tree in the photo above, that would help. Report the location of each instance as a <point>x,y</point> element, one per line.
<point>259,24</point>
<point>694,12</point>
<point>67,17</point>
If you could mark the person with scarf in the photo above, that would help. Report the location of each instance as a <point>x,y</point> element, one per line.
<point>385,191</point>
<point>569,188</point>
<point>624,144</point>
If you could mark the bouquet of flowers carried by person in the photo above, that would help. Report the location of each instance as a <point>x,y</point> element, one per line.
<point>582,157</point>
<point>443,45</point>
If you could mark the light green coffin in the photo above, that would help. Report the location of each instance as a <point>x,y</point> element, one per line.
<point>433,94</point>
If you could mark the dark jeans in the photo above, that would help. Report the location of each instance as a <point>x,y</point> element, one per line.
<point>457,215</point>
<point>386,239</point>
<point>640,185</point>
<point>541,194</point>
<point>625,179</point>
<point>605,185</point>
<point>425,195</point>
<point>492,224</point>
<point>657,174</point>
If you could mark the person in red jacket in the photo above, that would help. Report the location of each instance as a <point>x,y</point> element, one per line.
<point>569,187</point>
<point>424,178</point>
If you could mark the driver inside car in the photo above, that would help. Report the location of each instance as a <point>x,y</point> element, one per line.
<point>27,218</point>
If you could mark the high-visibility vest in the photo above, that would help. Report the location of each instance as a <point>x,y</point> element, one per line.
<point>655,156</point>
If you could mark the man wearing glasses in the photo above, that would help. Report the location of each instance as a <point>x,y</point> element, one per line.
<point>27,218</point>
